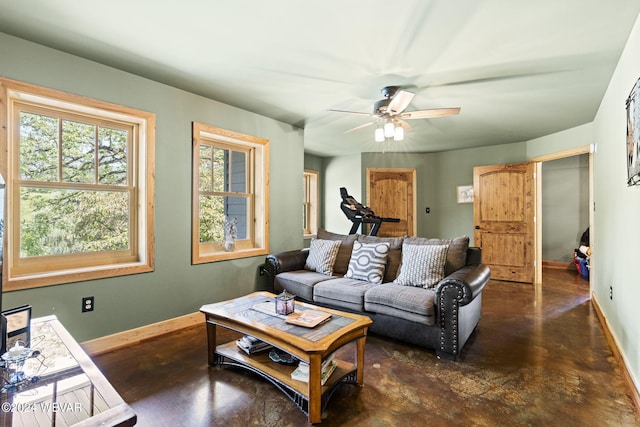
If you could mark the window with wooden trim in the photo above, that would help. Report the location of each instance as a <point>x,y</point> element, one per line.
<point>230,188</point>
<point>310,204</point>
<point>79,187</point>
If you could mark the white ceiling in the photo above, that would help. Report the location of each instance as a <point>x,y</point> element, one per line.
<point>518,69</point>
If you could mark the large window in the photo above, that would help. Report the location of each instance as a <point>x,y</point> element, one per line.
<point>230,179</point>
<point>79,187</point>
<point>310,204</point>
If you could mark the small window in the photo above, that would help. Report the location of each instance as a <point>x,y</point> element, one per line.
<point>310,204</point>
<point>230,179</point>
<point>79,189</point>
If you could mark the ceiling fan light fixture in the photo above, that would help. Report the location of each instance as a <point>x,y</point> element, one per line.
<point>389,129</point>
<point>379,135</point>
<point>398,133</point>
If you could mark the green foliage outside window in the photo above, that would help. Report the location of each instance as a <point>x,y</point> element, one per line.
<point>74,194</point>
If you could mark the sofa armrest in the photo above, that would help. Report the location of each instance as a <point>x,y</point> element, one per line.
<point>284,261</point>
<point>463,285</point>
<point>458,303</point>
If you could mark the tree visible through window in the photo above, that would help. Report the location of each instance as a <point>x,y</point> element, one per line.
<point>230,183</point>
<point>79,187</point>
<point>74,188</point>
<point>223,171</point>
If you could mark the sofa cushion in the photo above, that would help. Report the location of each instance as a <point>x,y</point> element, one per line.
<point>457,254</point>
<point>322,256</point>
<point>299,282</point>
<point>395,253</point>
<point>344,253</point>
<point>342,293</point>
<point>405,302</point>
<point>368,261</point>
<point>422,265</point>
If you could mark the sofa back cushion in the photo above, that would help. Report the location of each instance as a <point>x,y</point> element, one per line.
<point>456,255</point>
<point>344,253</point>
<point>395,253</point>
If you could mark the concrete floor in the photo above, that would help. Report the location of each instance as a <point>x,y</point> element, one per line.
<point>538,358</point>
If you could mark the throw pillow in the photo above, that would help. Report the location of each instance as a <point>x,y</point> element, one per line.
<point>456,255</point>
<point>368,261</point>
<point>422,265</point>
<point>322,256</point>
<point>395,254</point>
<point>344,253</point>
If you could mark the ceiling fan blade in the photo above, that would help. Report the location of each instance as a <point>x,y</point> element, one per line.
<point>360,127</point>
<point>400,101</point>
<point>352,112</point>
<point>427,114</point>
<point>406,126</point>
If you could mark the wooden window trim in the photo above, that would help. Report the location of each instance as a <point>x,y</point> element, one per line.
<point>142,173</point>
<point>311,203</point>
<point>258,182</point>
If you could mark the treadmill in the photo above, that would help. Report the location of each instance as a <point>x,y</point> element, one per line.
<point>359,214</point>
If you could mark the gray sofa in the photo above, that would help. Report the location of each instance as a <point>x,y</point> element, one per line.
<point>441,317</point>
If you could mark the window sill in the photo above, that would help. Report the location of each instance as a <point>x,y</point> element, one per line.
<point>74,275</point>
<point>224,256</point>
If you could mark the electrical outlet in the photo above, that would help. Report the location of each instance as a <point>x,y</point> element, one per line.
<point>87,304</point>
<point>611,293</point>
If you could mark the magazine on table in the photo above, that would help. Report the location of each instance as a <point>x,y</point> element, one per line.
<point>308,318</point>
<point>301,373</point>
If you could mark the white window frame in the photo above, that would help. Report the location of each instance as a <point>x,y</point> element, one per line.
<point>55,269</point>
<point>311,206</point>
<point>257,149</point>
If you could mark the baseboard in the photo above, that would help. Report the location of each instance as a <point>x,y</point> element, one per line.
<point>615,349</point>
<point>133,336</point>
<point>559,264</point>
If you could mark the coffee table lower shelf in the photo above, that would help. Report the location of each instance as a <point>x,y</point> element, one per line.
<point>280,375</point>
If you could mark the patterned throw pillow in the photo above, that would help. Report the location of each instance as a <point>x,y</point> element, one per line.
<point>422,265</point>
<point>368,261</point>
<point>322,256</point>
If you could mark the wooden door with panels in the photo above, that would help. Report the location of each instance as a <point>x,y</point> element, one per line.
<point>391,194</point>
<point>504,212</point>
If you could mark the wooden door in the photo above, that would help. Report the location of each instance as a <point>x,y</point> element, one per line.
<point>503,212</point>
<point>391,194</point>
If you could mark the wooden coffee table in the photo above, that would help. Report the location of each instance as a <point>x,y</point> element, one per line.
<point>312,345</point>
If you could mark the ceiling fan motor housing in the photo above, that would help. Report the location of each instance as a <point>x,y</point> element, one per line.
<point>380,107</point>
<point>389,91</point>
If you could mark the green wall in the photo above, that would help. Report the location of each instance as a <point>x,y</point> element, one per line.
<point>565,206</point>
<point>342,171</point>
<point>617,211</point>
<point>175,287</point>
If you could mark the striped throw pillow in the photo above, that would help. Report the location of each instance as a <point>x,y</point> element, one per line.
<point>322,255</point>
<point>422,265</point>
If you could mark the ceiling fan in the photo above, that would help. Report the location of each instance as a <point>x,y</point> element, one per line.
<point>390,117</point>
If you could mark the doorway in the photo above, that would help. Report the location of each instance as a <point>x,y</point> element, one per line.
<point>547,220</point>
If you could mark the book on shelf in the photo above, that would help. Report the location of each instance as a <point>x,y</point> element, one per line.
<point>252,345</point>
<point>308,318</point>
<point>301,373</point>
